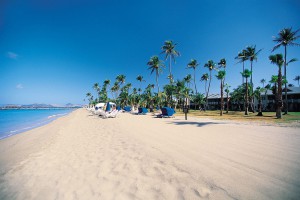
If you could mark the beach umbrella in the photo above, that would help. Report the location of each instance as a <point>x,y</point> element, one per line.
<point>107,107</point>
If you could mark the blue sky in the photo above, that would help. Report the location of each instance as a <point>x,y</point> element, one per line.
<point>53,51</point>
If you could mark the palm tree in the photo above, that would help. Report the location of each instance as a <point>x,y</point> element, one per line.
<point>180,90</point>
<point>193,64</point>
<point>115,89</point>
<point>155,65</point>
<point>257,94</point>
<point>251,54</point>
<point>121,79</point>
<point>297,78</point>
<point>169,49</point>
<point>211,66</point>
<point>97,88</point>
<point>278,60</point>
<point>222,64</point>
<point>227,92</point>
<point>242,58</point>
<point>221,76</point>
<point>198,99</point>
<point>140,78</point>
<point>286,37</point>
<point>267,88</point>
<point>169,90</point>
<point>90,97</point>
<point>263,81</point>
<point>246,74</point>
<point>205,78</point>
<point>106,84</point>
<point>187,80</point>
<point>237,96</point>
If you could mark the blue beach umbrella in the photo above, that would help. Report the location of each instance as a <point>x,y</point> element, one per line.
<point>107,107</point>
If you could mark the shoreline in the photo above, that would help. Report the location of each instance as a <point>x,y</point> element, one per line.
<point>142,157</point>
<point>21,128</point>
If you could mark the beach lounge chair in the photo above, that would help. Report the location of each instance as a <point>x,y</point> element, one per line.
<point>112,114</point>
<point>127,108</point>
<point>166,112</point>
<point>142,111</point>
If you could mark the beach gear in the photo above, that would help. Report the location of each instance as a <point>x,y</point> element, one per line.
<point>142,111</point>
<point>166,112</point>
<point>107,107</point>
<point>113,114</point>
<point>127,108</point>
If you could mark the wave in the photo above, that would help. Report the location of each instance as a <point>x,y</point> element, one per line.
<point>57,115</point>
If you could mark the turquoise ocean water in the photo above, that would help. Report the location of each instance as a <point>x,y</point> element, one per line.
<point>14,121</point>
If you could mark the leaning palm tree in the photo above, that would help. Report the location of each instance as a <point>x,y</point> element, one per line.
<point>221,76</point>
<point>205,78</point>
<point>97,88</point>
<point>242,58</point>
<point>121,79</point>
<point>246,74</point>
<point>211,66</point>
<point>267,88</point>
<point>106,84</point>
<point>251,54</point>
<point>115,90</point>
<point>193,64</point>
<point>297,78</point>
<point>155,65</point>
<point>286,37</point>
<point>169,49</point>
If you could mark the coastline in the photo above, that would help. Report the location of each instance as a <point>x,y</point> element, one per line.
<point>142,157</point>
<point>24,125</point>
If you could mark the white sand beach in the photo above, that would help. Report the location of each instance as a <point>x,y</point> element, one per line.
<point>81,156</point>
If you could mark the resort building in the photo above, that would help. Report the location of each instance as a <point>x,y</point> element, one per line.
<point>268,101</point>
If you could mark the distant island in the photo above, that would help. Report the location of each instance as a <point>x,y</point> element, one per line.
<point>39,106</point>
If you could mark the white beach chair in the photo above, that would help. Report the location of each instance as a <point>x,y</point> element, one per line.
<point>113,114</point>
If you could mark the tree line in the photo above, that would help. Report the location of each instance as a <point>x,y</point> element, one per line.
<point>176,92</point>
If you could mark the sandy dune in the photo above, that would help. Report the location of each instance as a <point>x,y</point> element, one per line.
<point>140,157</point>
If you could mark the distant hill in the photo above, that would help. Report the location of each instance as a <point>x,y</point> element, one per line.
<point>39,105</point>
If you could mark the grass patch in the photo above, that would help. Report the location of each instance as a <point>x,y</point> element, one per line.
<point>268,117</point>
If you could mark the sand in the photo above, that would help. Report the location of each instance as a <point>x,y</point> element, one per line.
<point>81,156</point>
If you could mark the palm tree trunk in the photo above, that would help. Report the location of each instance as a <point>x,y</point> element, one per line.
<point>221,111</point>
<point>246,98</point>
<point>244,81</point>
<point>260,106</point>
<point>279,95</point>
<point>206,106</point>
<point>252,98</point>
<point>157,82</point>
<point>285,92</point>
<point>170,71</point>
<point>243,70</point>
<point>227,103</point>
<point>195,81</point>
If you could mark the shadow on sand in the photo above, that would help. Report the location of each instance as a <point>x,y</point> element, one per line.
<point>199,124</point>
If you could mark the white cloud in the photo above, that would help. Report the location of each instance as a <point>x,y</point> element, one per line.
<point>19,86</point>
<point>12,55</point>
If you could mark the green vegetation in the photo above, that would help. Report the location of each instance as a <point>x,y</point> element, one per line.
<point>267,118</point>
<point>177,92</point>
